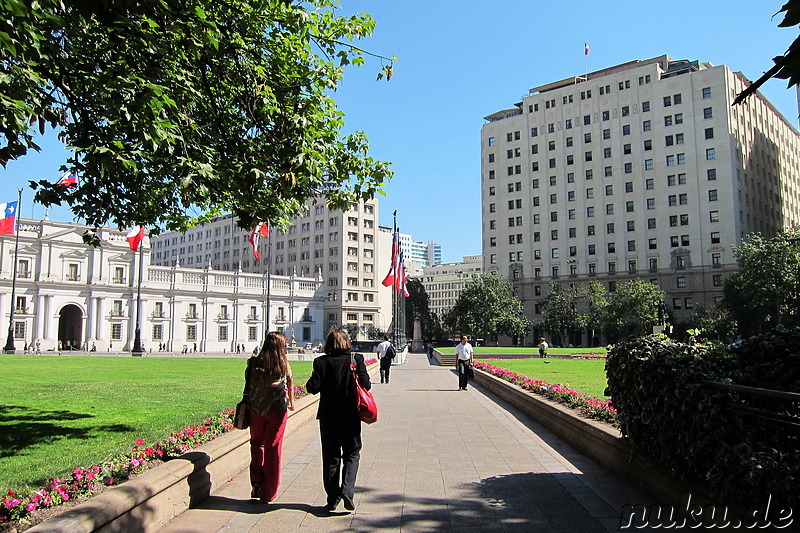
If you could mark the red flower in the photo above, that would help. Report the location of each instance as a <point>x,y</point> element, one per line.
<point>140,442</point>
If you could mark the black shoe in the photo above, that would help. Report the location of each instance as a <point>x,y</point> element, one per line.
<point>331,506</point>
<point>349,504</point>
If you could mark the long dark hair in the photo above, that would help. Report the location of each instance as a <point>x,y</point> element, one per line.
<point>272,357</point>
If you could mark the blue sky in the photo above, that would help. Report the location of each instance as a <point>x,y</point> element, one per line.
<point>459,61</point>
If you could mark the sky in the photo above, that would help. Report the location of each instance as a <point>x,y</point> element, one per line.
<point>461,60</point>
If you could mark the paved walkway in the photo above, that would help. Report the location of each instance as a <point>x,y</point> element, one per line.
<point>438,459</point>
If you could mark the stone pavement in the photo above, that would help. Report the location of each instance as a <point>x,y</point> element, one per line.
<point>438,459</point>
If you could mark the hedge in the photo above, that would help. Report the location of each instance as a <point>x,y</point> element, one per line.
<point>676,420</point>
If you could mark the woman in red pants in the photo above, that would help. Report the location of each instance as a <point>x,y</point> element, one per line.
<point>270,394</point>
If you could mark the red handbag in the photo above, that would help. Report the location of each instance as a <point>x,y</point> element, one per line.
<point>365,404</point>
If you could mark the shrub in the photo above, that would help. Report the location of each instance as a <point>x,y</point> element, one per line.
<point>675,419</point>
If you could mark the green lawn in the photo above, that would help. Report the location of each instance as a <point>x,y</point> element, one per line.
<point>58,413</point>
<point>488,350</point>
<point>587,376</point>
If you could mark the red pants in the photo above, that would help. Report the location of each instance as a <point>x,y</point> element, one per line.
<point>266,444</point>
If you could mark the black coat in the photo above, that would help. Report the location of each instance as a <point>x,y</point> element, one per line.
<point>332,379</point>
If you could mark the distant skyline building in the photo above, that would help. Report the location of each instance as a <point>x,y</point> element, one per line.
<point>642,170</point>
<point>425,253</point>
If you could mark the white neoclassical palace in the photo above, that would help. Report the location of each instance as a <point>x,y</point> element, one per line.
<point>69,294</point>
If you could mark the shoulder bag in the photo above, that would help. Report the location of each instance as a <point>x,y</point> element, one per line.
<point>365,404</point>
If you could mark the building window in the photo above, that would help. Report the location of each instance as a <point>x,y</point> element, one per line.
<point>710,154</point>
<point>715,237</point>
<point>646,125</point>
<point>706,92</point>
<point>712,195</point>
<point>709,133</point>
<point>652,244</point>
<point>707,113</point>
<point>648,164</point>
<point>116,332</point>
<point>713,216</point>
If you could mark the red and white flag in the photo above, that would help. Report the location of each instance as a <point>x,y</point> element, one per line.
<point>261,230</point>
<point>135,237</point>
<point>8,216</point>
<point>401,285</point>
<point>68,180</point>
<point>585,49</point>
<point>389,280</point>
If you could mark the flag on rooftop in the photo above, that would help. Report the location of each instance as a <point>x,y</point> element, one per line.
<point>8,211</point>
<point>585,49</point>
<point>135,237</point>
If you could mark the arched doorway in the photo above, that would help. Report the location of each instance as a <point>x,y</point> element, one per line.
<point>70,327</point>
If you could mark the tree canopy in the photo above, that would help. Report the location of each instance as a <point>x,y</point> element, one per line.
<point>179,105</point>
<point>488,307</point>
<point>764,291</point>
<point>632,309</point>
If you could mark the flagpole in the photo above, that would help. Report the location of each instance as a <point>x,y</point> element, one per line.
<point>396,238</point>
<point>10,348</point>
<point>269,279</point>
<point>138,350</point>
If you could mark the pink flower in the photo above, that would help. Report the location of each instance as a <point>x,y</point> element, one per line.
<point>140,442</point>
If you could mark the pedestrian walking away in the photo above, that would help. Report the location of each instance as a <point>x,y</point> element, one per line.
<point>386,353</point>
<point>464,354</point>
<point>270,393</point>
<point>339,424</point>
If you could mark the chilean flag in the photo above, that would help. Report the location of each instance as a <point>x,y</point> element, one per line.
<point>261,230</point>
<point>9,214</point>
<point>389,280</point>
<point>585,49</point>
<point>401,285</point>
<point>135,237</point>
<point>68,180</point>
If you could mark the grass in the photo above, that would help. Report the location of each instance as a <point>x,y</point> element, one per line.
<point>587,376</point>
<point>489,350</point>
<point>59,413</point>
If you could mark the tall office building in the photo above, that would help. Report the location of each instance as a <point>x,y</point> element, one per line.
<point>345,249</point>
<point>641,170</point>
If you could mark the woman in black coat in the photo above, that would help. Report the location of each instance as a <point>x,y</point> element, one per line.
<point>339,425</point>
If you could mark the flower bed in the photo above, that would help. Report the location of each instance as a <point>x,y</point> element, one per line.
<point>590,406</point>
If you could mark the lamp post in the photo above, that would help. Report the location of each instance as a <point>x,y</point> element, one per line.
<point>138,349</point>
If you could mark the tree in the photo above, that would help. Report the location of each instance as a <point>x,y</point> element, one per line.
<point>418,304</point>
<point>712,323</point>
<point>592,306</point>
<point>787,66</point>
<point>764,291</point>
<point>179,106</point>
<point>486,307</point>
<point>632,309</point>
<point>560,311</point>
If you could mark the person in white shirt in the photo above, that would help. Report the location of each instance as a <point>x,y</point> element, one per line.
<point>464,354</point>
<point>385,356</point>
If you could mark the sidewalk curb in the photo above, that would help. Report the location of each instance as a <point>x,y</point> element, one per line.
<point>148,502</point>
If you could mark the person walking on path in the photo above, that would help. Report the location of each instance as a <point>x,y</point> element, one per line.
<point>339,425</point>
<point>464,354</point>
<point>386,353</point>
<point>270,392</point>
<point>543,348</point>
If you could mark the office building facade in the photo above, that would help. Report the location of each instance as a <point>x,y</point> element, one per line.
<point>445,282</point>
<point>642,170</point>
<point>345,249</point>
